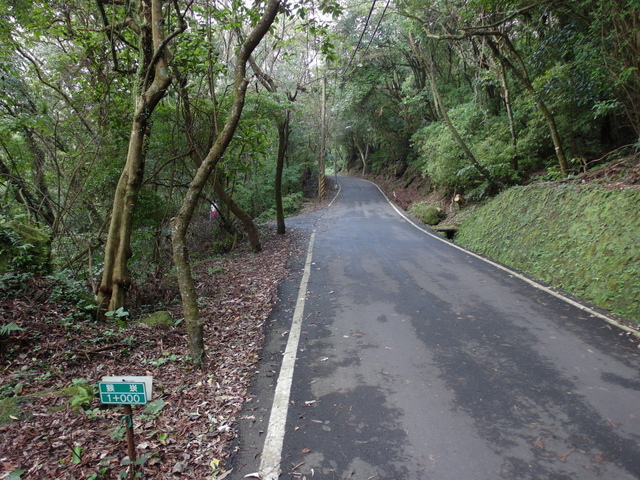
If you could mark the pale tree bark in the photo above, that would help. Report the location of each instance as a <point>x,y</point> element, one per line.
<point>364,155</point>
<point>507,103</point>
<point>154,80</point>
<point>506,92</point>
<point>180,223</point>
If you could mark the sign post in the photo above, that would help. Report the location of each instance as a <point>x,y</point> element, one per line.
<point>127,391</point>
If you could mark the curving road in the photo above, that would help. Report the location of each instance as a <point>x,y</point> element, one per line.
<point>410,358</point>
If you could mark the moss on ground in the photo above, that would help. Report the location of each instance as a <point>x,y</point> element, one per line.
<point>581,239</point>
<point>158,319</point>
<point>427,214</point>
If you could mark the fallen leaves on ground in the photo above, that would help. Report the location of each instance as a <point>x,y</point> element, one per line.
<point>187,435</point>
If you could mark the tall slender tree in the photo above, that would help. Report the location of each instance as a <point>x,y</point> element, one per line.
<point>181,221</point>
<point>153,80</point>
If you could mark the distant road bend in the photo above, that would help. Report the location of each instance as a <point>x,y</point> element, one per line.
<point>394,354</point>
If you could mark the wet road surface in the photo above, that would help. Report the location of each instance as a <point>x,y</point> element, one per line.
<point>417,360</point>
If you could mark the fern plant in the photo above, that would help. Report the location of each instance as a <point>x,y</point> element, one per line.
<point>9,328</point>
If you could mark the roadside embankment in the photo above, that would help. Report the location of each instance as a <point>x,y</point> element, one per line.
<point>582,239</point>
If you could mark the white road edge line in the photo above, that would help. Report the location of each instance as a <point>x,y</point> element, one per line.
<point>272,449</point>
<point>535,284</point>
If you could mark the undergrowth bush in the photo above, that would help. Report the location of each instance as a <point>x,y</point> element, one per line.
<point>442,159</point>
<point>428,214</point>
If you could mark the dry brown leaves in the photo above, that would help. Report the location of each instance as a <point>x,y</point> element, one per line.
<point>189,437</point>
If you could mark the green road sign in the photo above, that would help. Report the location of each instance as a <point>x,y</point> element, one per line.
<point>123,393</point>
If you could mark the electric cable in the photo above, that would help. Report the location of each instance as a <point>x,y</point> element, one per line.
<point>366,24</point>
<point>373,35</point>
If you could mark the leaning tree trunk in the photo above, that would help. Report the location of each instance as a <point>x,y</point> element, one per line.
<point>115,282</point>
<point>237,210</point>
<point>523,76</point>
<point>247,222</point>
<point>454,131</point>
<point>428,66</point>
<point>180,224</point>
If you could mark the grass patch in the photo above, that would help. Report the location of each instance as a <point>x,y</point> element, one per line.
<point>10,410</point>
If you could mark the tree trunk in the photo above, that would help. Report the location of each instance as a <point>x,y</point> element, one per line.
<point>463,145</point>
<point>237,210</point>
<point>512,124</point>
<point>428,65</point>
<point>364,155</point>
<point>523,76</point>
<point>115,282</point>
<point>283,144</point>
<point>180,223</point>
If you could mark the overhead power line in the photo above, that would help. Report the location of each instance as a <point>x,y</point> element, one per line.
<point>366,24</point>
<point>373,35</point>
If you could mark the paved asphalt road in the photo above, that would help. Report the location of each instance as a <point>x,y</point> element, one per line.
<point>417,360</point>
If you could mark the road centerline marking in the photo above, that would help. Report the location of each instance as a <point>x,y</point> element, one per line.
<point>274,440</point>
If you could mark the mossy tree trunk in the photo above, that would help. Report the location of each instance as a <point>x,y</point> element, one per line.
<point>153,82</point>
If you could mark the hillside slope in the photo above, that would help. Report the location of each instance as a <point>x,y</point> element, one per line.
<point>580,238</point>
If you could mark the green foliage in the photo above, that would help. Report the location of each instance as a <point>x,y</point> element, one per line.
<point>9,328</point>
<point>118,433</point>
<point>119,315</point>
<point>15,474</point>
<point>154,407</point>
<point>23,248</point>
<point>150,209</point>
<point>165,359</point>
<point>69,291</point>
<point>291,204</point>
<point>81,394</point>
<point>443,161</point>
<point>10,408</point>
<point>582,240</point>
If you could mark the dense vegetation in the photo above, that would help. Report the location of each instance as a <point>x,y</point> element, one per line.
<point>118,116</point>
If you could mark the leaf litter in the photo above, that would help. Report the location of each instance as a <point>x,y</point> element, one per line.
<point>188,431</point>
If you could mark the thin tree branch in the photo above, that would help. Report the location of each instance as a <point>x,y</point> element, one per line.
<point>56,88</point>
